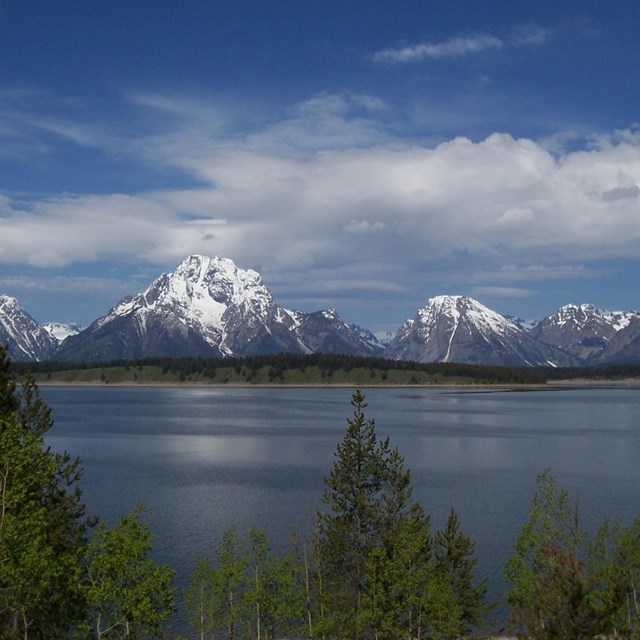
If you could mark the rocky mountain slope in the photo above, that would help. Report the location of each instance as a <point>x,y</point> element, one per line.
<point>26,339</point>
<point>460,329</point>
<point>208,307</point>
<point>592,335</point>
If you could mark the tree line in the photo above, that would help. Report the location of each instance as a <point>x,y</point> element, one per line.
<point>369,567</point>
<point>328,365</point>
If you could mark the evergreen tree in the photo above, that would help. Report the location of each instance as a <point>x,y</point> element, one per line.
<point>42,524</point>
<point>8,399</point>
<point>366,502</point>
<point>455,561</point>
<point>399,590</point>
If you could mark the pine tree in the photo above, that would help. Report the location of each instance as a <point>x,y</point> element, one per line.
<point>366,500</point>
<point>455,561</point>
<point>398,594</point>
<point>42,524</point>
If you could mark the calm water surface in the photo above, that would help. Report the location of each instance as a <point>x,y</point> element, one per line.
<point>204,459</point>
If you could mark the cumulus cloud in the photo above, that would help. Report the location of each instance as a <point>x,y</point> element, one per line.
<point>377,215</point>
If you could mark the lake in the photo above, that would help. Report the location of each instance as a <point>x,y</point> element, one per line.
<point>206,458</point>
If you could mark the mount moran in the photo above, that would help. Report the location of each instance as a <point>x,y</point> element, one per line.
<point>211,308</point>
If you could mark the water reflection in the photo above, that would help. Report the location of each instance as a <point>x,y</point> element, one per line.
<point>207,458</point>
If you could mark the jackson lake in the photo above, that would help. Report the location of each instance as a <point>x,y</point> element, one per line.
<point>206,458</point>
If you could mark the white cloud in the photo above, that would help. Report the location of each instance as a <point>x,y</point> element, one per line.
<point>462,46</point>
<point>365,213</point>
<point>457,47</point>
<point>498,198</point>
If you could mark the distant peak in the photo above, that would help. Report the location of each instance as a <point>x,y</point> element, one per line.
<point>573,310</point>
<point>8,300</point>
<point>453,302</point>
<point>445,299</point>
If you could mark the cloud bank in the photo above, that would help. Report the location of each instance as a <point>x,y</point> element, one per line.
<point>325,201</point>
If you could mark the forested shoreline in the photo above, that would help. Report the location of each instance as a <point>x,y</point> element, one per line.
<point>368,565</point>
<point>318,369</point>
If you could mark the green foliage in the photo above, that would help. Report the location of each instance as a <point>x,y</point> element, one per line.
<point>248,593</point>
<point>455,562</point>
<point>551,524</point>
<point>42,525</point>
<point>200,599</point>
<point>215,596</point>
<point>53,584</point>
<point>129,596</point>
<point>273,594</point>
<point>366,499</point>
<point>546,570</point>
<point>614,565</point>
<point>229,582</point>
<point>566,585</point>
<point>405,594</point>
<point>375,557</point>
<point>368,572</point>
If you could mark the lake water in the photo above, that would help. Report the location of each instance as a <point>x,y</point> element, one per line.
<point>206,458</point>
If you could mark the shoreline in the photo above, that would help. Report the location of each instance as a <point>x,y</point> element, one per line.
<point>553,385</point>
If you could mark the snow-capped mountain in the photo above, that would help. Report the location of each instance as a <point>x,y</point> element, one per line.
<point>590,334</point>
<point>211,307</point>
<point>26,339</point>
<point>461,329</point>
<point>61,331</point>
<point>207,307</point>
<point>624,347</point>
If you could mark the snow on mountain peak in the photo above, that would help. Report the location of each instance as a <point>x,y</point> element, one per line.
<point>330,314</point>
<point>210,306</point>
<point>8,303</point>
<point>202,289</point>
<point>26,339</point>
<point>60,331</point>
<point>457,306</point>
<point>580,315</point>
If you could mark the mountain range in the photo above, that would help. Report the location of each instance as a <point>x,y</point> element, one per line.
<point>210,307</point>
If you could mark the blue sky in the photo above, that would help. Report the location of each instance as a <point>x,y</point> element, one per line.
<point>360,155</point>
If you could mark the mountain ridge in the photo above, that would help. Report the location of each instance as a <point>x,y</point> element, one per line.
<point>210,307</point>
